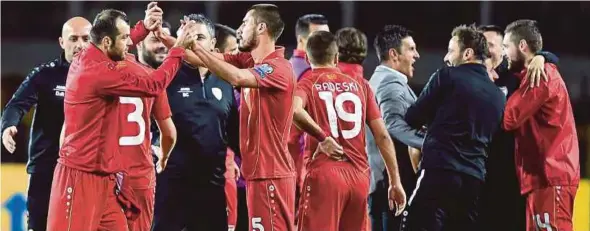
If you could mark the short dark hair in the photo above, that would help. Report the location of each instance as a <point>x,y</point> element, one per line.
<point>166,24</point>
<point>269,15</point>
<point>352,45</point>
<point>491,28</point>
<point>105,25</point>
<point>222,32</point>
<point>201,19</point>
<point>526,29</point>
<point>470,37</point>
<point>303,23</point>
<point>321,47</point>
<point>390,37</point>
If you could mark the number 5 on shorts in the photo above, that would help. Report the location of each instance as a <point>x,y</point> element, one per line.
<point>257,224</point>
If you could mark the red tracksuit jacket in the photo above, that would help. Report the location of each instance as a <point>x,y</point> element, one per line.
<point>546,147</point>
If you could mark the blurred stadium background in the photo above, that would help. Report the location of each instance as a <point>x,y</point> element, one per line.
<point>30,32</point>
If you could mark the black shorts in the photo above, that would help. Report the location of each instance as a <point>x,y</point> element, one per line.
<point>443,200</point>
<point>38,194</point>
<point>185,201</point>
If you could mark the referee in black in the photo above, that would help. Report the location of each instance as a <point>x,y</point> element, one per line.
<point>44,88</point>
<point>190,192</point>
<point>462,109</point>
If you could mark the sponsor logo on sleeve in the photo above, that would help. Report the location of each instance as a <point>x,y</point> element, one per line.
<point>263,70</point>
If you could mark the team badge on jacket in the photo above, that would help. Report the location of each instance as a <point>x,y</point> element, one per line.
<point>217,93</point>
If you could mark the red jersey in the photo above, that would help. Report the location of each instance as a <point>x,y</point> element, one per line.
<point>546,141</point>
<point>92,107</point>
<point>341,105</point>
<point>266,115</point>
<point>350,69</point>
<point>134,132</point>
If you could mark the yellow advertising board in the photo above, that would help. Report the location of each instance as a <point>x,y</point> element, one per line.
<point>14,185</point>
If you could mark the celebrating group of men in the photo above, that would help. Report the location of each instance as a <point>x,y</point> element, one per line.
<point>319,147</point>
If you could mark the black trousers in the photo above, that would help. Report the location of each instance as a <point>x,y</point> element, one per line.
<point>443,200</point>
<point>38,200</point>
<point>185,202</point>
<point>382,218</point>
<point>242,224</point>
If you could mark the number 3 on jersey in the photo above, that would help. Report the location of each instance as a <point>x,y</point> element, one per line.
<point>134,117</point>
<point>335,110</point>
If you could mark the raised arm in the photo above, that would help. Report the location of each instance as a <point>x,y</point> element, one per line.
<point>536,68</point>
<point>226,71</point>
<point>121,80</point>
<point>151,22</point>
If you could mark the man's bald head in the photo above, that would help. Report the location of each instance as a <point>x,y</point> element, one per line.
<point>74,36</point>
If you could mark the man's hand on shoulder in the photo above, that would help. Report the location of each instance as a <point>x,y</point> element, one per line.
<point>536,70</point>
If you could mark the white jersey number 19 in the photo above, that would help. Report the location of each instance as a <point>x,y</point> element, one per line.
<point>134,117</point>
<point>336,111</point>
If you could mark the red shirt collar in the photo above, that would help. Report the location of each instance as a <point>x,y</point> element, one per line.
<point>95,53</point>
<point>278,53</point>
<point>351,69</point>
<point>322,70</point>
<point>299,53</point>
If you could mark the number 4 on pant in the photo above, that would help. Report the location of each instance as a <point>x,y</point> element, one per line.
<point>542,226</point>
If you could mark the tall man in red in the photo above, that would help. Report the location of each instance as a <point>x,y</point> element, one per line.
<point>342,105</point>
<point>547,154</point>
<point>266,114</point>
<point>83,190</point>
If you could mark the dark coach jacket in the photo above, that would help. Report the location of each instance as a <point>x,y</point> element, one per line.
<point>43,88</point>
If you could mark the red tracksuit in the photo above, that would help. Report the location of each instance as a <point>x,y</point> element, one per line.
<point>547,154</point>
<point>84,183</point>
